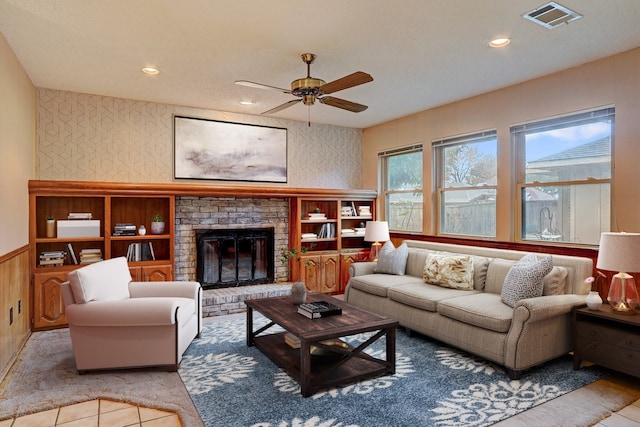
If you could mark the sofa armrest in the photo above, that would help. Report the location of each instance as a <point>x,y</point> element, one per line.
<point>362,268</point>
<point>185,289</point>
<point>540,330</point>
<point>544,307</point>
<point>125,313</point>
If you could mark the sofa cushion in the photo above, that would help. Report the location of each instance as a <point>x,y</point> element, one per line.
<point>423,295</point>
<point>449,270</point>
<point>416,260</point>
<point>496,273</point>
<point>378,284</point>
<point>392,260</point>
<point>525,279</point>
<point>103,281</point>
<point>554,282</point>
<point>484,310</point>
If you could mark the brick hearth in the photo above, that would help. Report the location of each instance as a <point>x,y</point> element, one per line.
<point>219,302</point>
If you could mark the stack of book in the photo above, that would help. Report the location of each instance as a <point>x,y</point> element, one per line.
<point>309,236</point>
<point>364,211</point>
<point>52,258</point>
<point>87,256</point>
<point>317,216</point>
<point>346,211</point>
<point>316,310</point>
<point>124,229</point>
<point>79,215</point>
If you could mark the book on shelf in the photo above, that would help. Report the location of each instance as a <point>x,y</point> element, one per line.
<point>309,236</point>
<point>318,309</point>
<point>72,254</point>
<point>327,231</point>
<point>317,216</point>
<point>79,215</point>
<point>52,258</point>
<point>90,255</point>
<point>124,229</point>
<point>141,252</point>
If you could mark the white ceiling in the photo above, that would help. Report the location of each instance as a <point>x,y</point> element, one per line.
<point>421,53</point>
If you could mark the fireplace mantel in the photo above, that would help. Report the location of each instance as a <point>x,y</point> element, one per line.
<point>189,189</point>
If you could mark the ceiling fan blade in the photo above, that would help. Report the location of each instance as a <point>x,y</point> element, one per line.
<point>355,79</point>
<point>344,104</point>
<point>261,86</point>
<point>282,106</point>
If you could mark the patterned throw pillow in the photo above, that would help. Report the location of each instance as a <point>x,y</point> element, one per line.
<point>524,279</point>
<point>392,260</point>
<point>449,271</point>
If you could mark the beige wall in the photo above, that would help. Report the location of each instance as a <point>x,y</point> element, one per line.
<point>95,138</point>
<point>17,128</point>
<point>614,81</point>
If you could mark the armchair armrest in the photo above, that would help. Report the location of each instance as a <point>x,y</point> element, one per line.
<point>185,289</point>
<point>126,313</point>
<point>362,268</point>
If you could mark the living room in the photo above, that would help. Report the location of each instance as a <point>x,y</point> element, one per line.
<point>48,135</point>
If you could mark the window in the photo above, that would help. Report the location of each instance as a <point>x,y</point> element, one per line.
<point>564,177</point>
<point>465,180</point>
<point>402,188</point>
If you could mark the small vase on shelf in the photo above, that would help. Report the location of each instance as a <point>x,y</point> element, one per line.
<point>593,300</point>
<point>51,227</point>
<point>142,230</point>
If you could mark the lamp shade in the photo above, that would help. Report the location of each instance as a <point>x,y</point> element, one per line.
<point>619,252</point>
<point>376,231</point>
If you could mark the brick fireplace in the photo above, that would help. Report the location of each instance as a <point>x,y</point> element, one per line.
<point>208,213</point>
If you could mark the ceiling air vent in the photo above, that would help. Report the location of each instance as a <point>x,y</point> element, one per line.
<point>551,15</point>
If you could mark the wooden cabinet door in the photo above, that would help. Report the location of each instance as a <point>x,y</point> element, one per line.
<point>330,269</point>
<point>345,261</point>
<point>48,307</point>
<point>157,273</point>
<point>310,272</point>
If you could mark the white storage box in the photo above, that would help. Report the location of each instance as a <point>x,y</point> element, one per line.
<point>78,228</point>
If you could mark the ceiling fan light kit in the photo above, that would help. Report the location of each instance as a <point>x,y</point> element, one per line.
<point>309,89</point>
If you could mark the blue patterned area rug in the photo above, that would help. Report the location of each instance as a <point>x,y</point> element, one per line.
<point>434,385</point>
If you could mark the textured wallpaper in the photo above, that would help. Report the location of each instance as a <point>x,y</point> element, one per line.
<point>84,137</point>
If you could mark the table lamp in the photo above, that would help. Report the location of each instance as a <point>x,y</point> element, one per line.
<point>621,252</point>
<point>376,231</point>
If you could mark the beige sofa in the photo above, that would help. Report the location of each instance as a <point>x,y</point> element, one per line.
<point>117,323</point>
<point>535,330</point>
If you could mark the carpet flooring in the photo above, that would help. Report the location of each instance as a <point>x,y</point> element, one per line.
<point>434,385</point>
<point>44,377</point>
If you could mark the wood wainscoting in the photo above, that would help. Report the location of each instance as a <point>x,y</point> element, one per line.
<point>14,306</point>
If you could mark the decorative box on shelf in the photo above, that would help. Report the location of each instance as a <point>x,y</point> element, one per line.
<point>78,228</point>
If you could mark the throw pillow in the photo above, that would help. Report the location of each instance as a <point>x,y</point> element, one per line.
<point>103,281</point>
<point>524,279</point>
<point>449,271</point>
<point>392,260</point>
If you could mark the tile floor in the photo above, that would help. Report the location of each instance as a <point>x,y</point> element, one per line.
<point>94,413</point>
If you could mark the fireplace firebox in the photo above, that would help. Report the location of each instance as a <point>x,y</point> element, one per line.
<point>234,257</point>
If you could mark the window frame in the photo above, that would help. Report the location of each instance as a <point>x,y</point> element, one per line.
<point>385,192</point>
<point>518,144</point>
<point>439,189</point>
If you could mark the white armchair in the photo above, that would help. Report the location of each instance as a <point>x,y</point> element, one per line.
<point>115,323</point>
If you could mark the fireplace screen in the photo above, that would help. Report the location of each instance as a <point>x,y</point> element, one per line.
<point>238,257</point>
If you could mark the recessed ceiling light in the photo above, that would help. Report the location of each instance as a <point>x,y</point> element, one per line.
<point>246,102</point>
<point>499,42</point>
<point>151,71</point>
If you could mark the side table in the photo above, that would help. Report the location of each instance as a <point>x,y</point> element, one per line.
<point>607,338</point>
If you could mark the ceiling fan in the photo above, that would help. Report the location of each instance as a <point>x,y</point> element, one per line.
<point>310,89</point>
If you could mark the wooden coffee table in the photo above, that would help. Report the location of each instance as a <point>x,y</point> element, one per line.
<point>339,365</point>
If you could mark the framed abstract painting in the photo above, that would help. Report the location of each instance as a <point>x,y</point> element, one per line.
<point>217,150</point>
